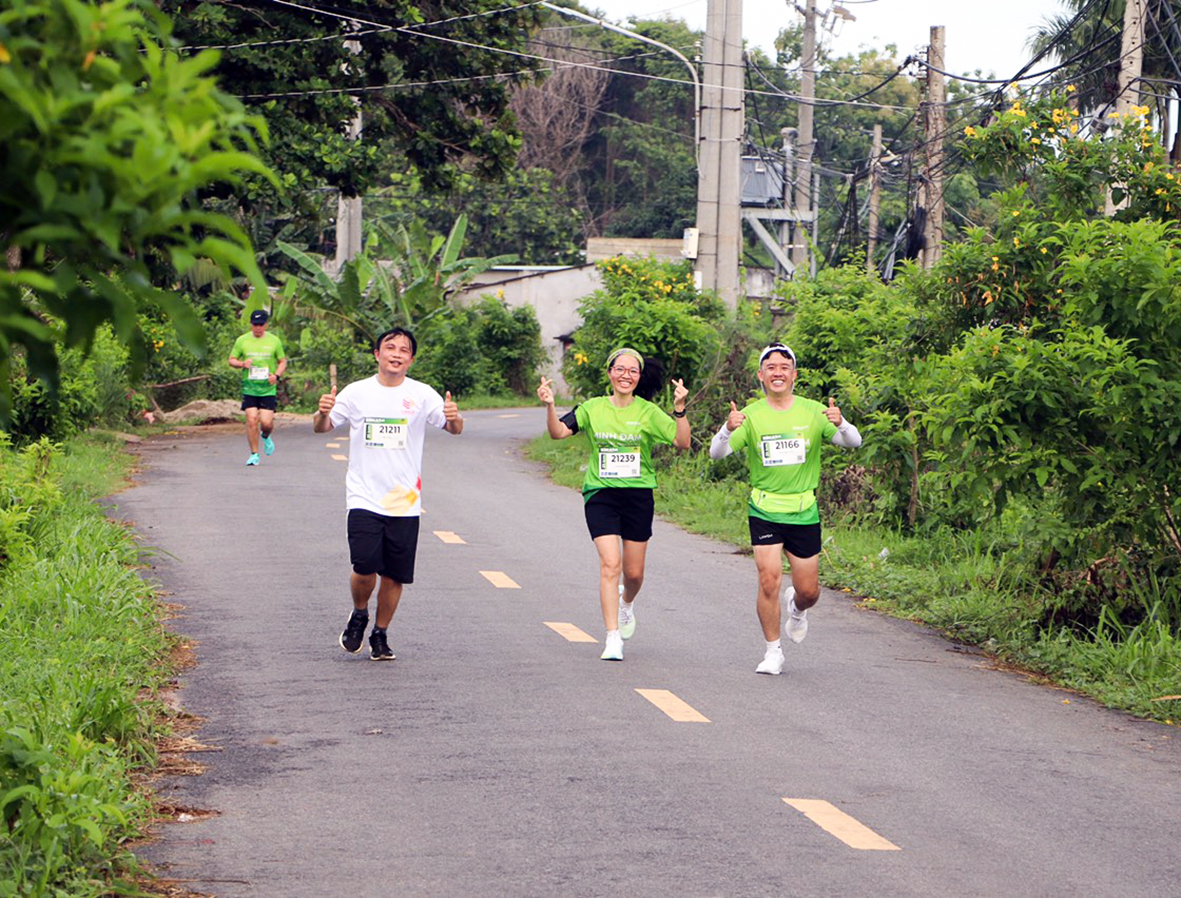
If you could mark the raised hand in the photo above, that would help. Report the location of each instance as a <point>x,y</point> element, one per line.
<point>327,401</point>
<point>734,421</point>
<point>680,394</point>
<point>833,413</point>
<point>545,391</point>
<point>450,409</point>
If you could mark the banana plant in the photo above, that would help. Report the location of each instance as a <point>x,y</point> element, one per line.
<point>416,278</point>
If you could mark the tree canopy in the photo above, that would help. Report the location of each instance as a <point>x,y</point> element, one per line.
<point>105,138</point>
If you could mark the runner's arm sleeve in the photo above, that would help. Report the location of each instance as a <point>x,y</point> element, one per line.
<point>719,446</point>
<point>847,435</point>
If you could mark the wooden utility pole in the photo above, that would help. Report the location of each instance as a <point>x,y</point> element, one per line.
<point>806,142</point>
<point>875,197</point>
<point>933,176</point>
<point>719,184</point>
<point>1131,64</point>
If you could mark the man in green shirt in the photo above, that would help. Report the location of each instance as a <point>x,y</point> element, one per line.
<point>262,360</point>
<point>781,435</point>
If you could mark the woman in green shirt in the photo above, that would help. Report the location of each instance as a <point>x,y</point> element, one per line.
<point>622,428</point>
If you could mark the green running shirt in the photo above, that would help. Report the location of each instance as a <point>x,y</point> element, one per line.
<point>783,455</point>
<point>621,441</point>
<point>263,352</point>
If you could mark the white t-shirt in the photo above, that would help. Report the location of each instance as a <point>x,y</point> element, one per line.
<point>387,426</point>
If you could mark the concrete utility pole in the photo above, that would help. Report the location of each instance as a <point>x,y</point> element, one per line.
<point>719,214</point>
<point>1131,64</point>
<point>936,126</point>
<point>807,143</point>
<point>875,197</point>
<point>785,227</point>
<point>348,209</point>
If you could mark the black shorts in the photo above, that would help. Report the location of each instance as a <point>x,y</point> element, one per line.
<point>800,540</point>
<point>379,544</point>
<point>621,511</point>
<point>270,403</point>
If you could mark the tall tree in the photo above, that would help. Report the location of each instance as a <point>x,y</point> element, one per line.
<point>432,79</point>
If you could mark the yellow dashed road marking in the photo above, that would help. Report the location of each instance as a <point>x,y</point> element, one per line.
<point>568,631</point>
<point>499,579</point>
<point>674,707</point>
<point>836,822</point>
<point>336,457</point>
<point>448,537</point>
<point>332,445</point>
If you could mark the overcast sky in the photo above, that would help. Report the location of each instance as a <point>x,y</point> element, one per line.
<point>989,35</point>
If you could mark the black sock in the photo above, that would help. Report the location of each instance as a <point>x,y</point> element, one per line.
<point>377,630</point>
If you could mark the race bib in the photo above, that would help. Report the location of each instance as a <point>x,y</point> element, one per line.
<point>259,372</point>
<point>385,433</point>
<point>615,464</point>
<point>781,450</point>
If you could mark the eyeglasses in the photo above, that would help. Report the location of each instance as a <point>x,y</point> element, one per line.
<point>634,372</point>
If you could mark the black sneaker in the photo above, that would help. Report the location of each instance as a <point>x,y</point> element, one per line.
<point>354,631</point>
<point>379,649</point>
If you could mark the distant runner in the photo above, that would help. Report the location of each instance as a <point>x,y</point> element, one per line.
<point>781,434</point>
<point>262,360</point>
<point>617,491</point>
<point>387,416</point>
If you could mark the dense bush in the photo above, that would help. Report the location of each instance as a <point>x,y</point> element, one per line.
<point>484,348</point>
<point>654,308</point>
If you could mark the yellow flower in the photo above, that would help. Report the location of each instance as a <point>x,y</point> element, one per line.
<point>5,56</point>
<point>1035,140</point>
<point>1071,88</point>
<point>1169,177</point>
<point>1044,250</point>
<point>1159,191</point>
<point>1016,212</point>
<point>1016,242</point>
<point>1074,129</point>
<point>970,131</point>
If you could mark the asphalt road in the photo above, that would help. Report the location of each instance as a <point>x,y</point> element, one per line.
<point>497,757</point>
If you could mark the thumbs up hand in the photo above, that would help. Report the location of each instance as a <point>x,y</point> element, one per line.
<point>735,419</point>
<point>450,409</point>
<point>327,401</point>
<point>833,413</point>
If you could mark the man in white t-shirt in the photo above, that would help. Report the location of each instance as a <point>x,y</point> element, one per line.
<point>387,416</point>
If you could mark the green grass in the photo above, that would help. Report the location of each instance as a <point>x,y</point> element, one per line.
<point>974,588</point>
<point>81,643</point>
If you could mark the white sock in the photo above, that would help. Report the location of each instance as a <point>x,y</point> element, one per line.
<point>611,633</point>
<point>795,612</point>
<point>774,645</point>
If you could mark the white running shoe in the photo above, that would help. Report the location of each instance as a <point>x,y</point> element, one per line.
<point>772,663</point>
<point>796,627</point>
<point>627,617</point>
<point>613,650</point>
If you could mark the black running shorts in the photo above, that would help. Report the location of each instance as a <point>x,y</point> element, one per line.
<point>384,545</point>
<point>270,403</point>
<point>800,540</point>
<point>620,511</point>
